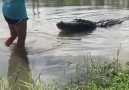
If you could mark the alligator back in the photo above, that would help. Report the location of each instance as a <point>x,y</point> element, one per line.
<point>76,25</point>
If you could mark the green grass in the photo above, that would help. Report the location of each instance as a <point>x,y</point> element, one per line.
<point>37,85</point>
<point>107,76</point>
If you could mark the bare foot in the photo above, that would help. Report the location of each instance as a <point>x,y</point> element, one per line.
<point>9,41</point>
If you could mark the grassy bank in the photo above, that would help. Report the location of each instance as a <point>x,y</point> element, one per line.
<point>107,76</point>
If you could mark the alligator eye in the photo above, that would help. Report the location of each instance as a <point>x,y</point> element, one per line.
<point>61,23</point>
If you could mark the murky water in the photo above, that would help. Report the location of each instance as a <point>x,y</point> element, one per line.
<point>49,51</point>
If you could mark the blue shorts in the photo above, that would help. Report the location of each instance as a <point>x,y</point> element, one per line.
<point>13,21</point>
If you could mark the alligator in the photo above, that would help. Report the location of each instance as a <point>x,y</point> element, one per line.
<point>78,25</point>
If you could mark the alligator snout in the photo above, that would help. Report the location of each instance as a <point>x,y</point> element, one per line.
<point>59,24</point>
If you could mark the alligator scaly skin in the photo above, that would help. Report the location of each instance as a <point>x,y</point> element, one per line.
<point>85,25</point>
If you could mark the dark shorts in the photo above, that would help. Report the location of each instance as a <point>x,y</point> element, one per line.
<point>13,21</point>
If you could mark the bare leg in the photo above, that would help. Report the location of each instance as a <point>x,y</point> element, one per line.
<point>21,32</point>
<point>13,35</point>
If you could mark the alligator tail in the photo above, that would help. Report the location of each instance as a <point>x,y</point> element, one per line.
<point>110,22</point>
<point>124,18</point>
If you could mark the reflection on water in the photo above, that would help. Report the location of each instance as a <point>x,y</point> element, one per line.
<point>18,69</point>
<point>35,4</point>
<point>55,3</point>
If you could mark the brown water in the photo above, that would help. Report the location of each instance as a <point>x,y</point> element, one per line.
<point>49,51</point>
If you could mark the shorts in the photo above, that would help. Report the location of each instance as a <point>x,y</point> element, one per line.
<point>13,21</point>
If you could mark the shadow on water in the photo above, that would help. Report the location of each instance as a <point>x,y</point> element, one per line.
<point>72,34</point>
<point>19,73</point>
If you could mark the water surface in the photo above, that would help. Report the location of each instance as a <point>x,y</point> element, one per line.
<point>49,51</point>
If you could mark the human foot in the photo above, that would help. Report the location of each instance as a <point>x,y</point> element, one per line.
<point>9,41</point>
